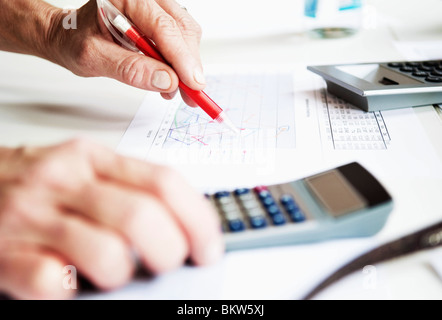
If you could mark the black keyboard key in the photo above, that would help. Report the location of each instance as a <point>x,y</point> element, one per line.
<point>433,79</point>
<point>413,64</point>
<point>407,69</point>
<point>430,63</point>
<point>395,64</point>
<point>420,74</point>
<point>426,68</point>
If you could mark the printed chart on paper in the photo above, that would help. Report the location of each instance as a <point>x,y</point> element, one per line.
<point>260,106</point>
<point>290,113</point>
<point>347,128</point>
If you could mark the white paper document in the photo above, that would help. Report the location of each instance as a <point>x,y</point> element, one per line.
<point>420,50</point>
<point>290,126</point>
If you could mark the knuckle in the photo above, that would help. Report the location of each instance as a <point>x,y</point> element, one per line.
<point>15,213</point>
<point>48,171</point>
<point>165,24</point>
<point>57,230</point>
<point>190,27</point>
<point>198,31</point>
<point>25,152</point>
<point>85,57</point>
<point>78,145</point>
<point>12,203</point>
<point>131,72</point>
<point>50,168</point>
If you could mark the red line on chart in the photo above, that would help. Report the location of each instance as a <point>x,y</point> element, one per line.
<point>199,140</point>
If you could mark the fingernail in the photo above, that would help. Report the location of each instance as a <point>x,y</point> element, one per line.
<point>161,80</point>
<point>169,95</point>
<point>199,77</point>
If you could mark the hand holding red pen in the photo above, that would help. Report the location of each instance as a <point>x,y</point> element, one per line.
<point>90,50</point>
<point>131,37</point>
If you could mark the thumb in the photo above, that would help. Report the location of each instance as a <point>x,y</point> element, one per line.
<point>134,69</point>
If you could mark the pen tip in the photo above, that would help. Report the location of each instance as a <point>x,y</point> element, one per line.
<point>234,129</point>
<point>223,119</point>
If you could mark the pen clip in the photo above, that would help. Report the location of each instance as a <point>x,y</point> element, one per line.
<point>103,7</point>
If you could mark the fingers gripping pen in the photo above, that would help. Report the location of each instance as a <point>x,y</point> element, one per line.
<point>131,37</point>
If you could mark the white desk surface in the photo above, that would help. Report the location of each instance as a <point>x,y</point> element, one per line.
<point>41,104</point>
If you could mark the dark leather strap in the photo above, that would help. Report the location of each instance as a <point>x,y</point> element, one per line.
<point>424,239</point>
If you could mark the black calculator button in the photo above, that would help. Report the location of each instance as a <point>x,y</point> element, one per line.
<point>420,74</point>
<point>413,64</point>
<point>268,201</point>
<point>296,215</point>
<point>273,210</point>
<point>278,219</point>
<point>264,194</point>
<point>258,222</point>
<point>425,68</point>
<point>239,192</point>
<point>395,64</point>
<point>236,225</point>
<point>407,69</point>
<point>262,191</point>
<point>430,63</point>
<point>433,79</point>
<point>286,199</point>
<point>288,202</point>
<point>291,207</point>
<point>222,194</point>
<point>436,73</point>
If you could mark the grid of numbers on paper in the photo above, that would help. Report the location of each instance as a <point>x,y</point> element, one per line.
<point>348,128</point>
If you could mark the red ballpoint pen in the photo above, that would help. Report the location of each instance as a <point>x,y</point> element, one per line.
<point>114,18</point>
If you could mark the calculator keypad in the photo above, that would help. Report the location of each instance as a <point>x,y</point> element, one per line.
<point>258,208</point>
<point>428,71</point>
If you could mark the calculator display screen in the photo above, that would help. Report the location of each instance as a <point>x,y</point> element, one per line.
<point>335,193</point>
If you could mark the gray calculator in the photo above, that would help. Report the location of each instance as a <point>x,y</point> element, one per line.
<point>383,86</point>
<point>347,201</point>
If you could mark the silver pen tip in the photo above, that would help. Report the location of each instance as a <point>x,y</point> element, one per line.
<point>225,120</point>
